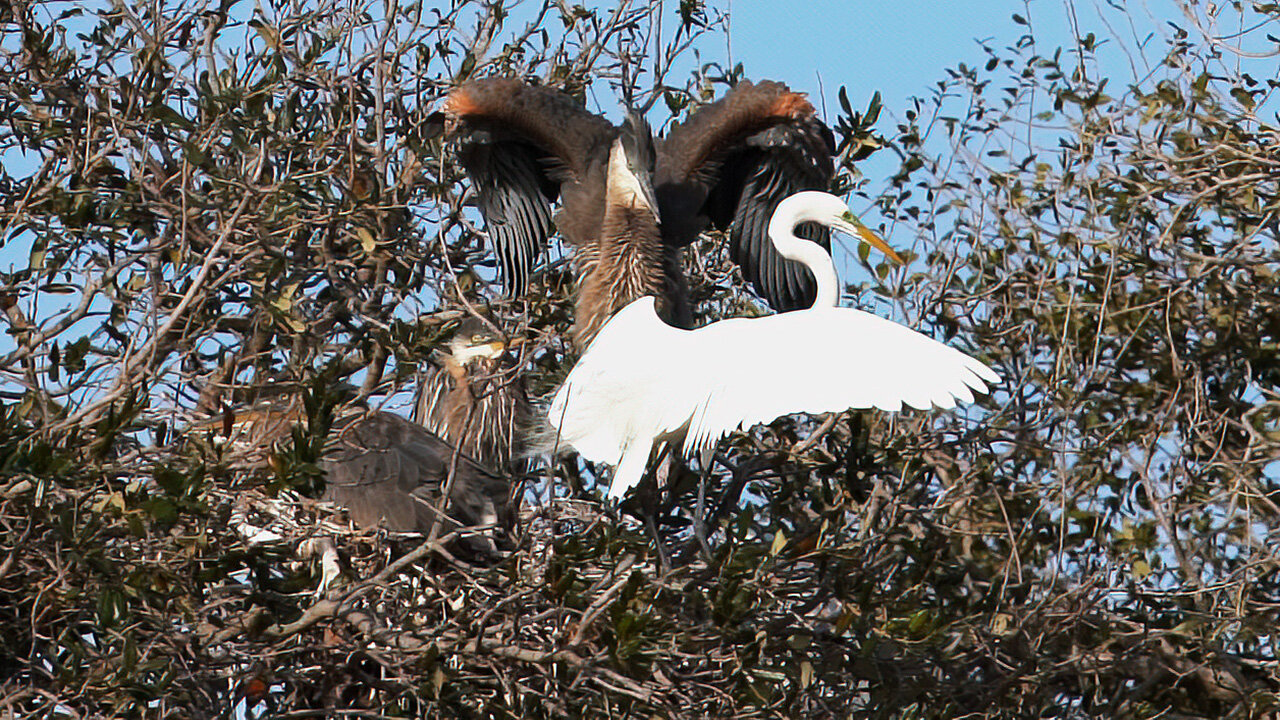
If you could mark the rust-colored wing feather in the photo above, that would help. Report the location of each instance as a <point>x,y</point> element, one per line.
<point>730,164</point>
<point>519,144</point>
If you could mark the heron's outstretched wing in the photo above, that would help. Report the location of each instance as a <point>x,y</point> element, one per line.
<point>753,370</point>
<point>384,468</point>
<point>519,143</point>
<point>730,164</point>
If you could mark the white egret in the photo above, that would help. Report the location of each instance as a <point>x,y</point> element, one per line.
<point>641,381</point>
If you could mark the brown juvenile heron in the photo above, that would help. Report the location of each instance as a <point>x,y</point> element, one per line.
<point>383,468</point>
<point>628,203</point>
<point>469,424</point>
<point>476,400</point>
<point>471,417</point>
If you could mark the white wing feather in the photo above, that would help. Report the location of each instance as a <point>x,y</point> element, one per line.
<point>820,360</point>
<point>641,379</point>
<point>611,398</point>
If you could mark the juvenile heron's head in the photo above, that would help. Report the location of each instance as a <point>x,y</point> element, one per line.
<point>474,340</point>
<point>631,163</point>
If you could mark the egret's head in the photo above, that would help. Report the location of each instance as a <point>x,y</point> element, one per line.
<point>829,210</point>
<point>631,162</point>
<point>474,340</point>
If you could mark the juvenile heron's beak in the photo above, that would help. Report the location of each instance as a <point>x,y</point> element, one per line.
<point>650,199</point>
<point>491,350</point>
<point>851,225</point>
<point>480,351</point>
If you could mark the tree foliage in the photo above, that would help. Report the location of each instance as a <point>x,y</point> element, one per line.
<point>207,203</point>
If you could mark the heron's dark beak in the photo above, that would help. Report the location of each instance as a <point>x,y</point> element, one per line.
<point>435,125</point>
<point>850,224</point>
<point>650,199</point>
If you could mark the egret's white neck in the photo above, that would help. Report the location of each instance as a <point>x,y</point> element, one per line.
<point>791,212</point>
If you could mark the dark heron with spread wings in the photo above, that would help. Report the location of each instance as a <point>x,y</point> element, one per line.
<point>628,202</point>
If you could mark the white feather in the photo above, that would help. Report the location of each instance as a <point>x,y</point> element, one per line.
<point>641,379</point>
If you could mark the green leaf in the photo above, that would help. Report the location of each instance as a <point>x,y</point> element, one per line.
<point>779,542</point>
<point>168,116</point>
<point>367,243</point>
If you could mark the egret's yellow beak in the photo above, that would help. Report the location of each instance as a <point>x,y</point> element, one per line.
<point>850,224</point>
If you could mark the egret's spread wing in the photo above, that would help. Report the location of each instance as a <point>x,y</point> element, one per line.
<point>615,395</point>
<point>641,379</point>
<point>518,143</point>
<point>625,391</point>
<point>751,371</point>
<point>384,468</point>
<point>730,164</point>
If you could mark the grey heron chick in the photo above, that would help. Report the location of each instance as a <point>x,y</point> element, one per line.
<point>386,470</point>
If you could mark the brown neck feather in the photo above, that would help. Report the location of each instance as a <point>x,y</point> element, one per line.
<point>629,264</point>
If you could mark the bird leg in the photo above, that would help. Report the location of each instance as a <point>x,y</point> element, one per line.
<point>742,473</point>
<point>646,499</point>
<point>663,561</point>
<point>667,477</point>
<point>699,514</point>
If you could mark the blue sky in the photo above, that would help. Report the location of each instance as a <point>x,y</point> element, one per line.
<point>906,44</point>
<point>897,48</point>
<point>902,48</point>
